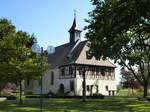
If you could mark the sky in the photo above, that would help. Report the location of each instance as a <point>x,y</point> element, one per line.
<point>48,20</point>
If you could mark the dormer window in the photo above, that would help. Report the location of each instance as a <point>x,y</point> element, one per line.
<point>88,56</point>
<point>77,34</point>
<point>88,44</point>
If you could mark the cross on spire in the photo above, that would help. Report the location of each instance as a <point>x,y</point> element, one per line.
<point>75,11</point>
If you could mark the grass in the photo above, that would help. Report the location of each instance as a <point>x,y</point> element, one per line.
<point>129,92</point>
<point>109,104</point>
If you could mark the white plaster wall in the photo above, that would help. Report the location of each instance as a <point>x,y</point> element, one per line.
<point>57,81</point>
<point>35,88</point>
<point>66,83</point>
<point>47,87</point>
<point>32,87</point>
<point>102,83</point>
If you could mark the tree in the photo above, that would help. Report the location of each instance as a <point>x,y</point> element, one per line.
<point>126,78</point>
<point>6,28</point>
<point>82,71</point>
<point>18,63</point>
<point>120,30</point>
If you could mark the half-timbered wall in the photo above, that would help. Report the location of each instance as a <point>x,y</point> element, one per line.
<point>67,72</point>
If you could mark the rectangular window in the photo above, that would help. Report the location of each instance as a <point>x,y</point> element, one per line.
<point>63,71</point>
<point>71,85</point>
<point>93,71</point>
<point>113,93</point>
<point>28,82</point>
<point>52,78</point>
<point>39,82</point>
<point>70,70</point>
<point>79,70</point>
<point>97,71</point>
<point>102,72</point>
<point>88,88</point>
<point>109,70</point>
<point>106,87</point>
<point>109,93</point>
<point>66,70</point>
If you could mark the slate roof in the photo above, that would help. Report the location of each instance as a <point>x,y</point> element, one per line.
<point>61,52</point>
<point>74,54</point>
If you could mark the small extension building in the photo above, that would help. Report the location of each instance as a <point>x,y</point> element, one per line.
<point>64,70</point>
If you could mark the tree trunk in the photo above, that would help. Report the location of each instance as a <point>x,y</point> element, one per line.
<point>0,89</point>
<point>20,97</point>
<point>145,90</point>
<point>84,87</point>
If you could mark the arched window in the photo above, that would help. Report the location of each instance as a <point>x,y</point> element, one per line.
<point>52,78</point>
<point>106,87</point>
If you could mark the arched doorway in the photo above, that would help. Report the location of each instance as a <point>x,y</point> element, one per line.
<point>61,88</point>
<point>94,89</point>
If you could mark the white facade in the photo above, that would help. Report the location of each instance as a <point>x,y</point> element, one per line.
<point>63,74</point>
<point>94,84</point>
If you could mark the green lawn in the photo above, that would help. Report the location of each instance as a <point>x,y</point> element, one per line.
<point>109,104</point>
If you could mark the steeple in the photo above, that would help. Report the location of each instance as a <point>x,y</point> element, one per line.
<point>75,32</point>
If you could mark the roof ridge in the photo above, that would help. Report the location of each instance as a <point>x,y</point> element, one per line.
<point>72,49</point>
<point>63,45</point>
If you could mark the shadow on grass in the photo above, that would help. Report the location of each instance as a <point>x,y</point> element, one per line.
<point>109,104</point>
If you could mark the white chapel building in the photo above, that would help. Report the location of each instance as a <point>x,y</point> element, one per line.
<point>64,70</point>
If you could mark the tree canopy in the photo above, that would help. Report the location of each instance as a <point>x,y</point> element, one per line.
<point>120,30</point>
<point>17,61</point>
<point>16,55</point>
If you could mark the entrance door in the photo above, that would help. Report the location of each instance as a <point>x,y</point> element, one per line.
<point>61,88</point>
<point>94,89</point>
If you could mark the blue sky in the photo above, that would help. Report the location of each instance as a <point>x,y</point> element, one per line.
<point>49,20</point>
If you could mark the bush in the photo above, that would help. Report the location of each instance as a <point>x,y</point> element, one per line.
<point>144,99</point>
<point>37,96</point>
<point>148,98</point>
<point>140,90</point>
<point>11,97</point>
<point>64,95</point>
<point>29,93</point>
<point>6,92</point>
<point>50,93</point>
<point>101,96</point>
<point>60,94</point>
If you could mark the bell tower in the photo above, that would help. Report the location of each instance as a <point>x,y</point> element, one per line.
<point>75,32</point>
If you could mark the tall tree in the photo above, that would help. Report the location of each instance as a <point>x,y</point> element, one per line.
<point>17,62</point>
<point>120,30</point>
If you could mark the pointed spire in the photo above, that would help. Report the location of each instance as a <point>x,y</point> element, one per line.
<point>74,27</point>
<point>74,31</point>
